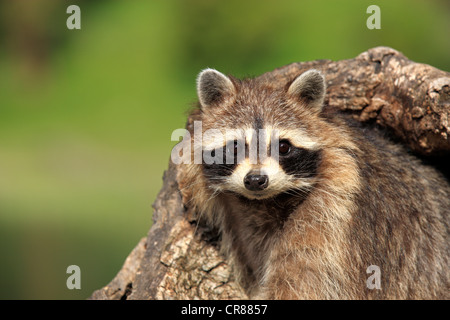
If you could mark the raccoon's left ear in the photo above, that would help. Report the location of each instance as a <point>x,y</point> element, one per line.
<point>213,87</point>
<point>309,88</point>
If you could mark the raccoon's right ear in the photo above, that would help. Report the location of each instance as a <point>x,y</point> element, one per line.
<point>213,87</point>
<point>309,88</point>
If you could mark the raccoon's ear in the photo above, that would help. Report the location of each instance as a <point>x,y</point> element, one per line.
<point>213,87</point>
<point>309,88</point>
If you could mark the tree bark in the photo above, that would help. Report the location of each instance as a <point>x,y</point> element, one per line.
<point>178,260</point>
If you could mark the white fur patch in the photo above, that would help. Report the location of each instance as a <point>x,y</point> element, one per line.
<point>299,138</point>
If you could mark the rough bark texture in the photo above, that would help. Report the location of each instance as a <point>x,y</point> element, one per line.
<point>179,261</point>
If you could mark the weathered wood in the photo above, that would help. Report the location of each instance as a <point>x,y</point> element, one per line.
<point>380,85</point>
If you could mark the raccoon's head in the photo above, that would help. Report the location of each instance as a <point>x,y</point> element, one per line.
<point>259,140</point>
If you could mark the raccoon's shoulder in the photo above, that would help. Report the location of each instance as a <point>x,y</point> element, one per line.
<point>368,136</point>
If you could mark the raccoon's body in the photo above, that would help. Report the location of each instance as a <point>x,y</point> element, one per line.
<point>308,220</point>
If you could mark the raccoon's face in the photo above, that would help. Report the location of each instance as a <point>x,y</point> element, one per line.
<point>256,139</point>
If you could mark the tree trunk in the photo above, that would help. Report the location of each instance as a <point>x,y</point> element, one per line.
<point>178,260</point>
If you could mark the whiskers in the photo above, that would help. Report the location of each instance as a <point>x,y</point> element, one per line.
<point>300,192</point>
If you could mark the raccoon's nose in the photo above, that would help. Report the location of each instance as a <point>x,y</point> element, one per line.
<point>255,182</point>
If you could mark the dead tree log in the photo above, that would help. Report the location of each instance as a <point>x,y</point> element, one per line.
<point>379,86</point>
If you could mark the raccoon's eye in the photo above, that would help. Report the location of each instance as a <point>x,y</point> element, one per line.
<point>284,147</point>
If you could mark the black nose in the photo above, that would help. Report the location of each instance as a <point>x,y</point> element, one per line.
<point>255,182</point>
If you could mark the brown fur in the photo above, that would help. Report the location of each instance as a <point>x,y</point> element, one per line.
<point>372,204</point>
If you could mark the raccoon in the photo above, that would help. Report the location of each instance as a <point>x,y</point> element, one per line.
<point>323,200</point>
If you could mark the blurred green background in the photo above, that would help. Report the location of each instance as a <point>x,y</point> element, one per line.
<point>86,115</point>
